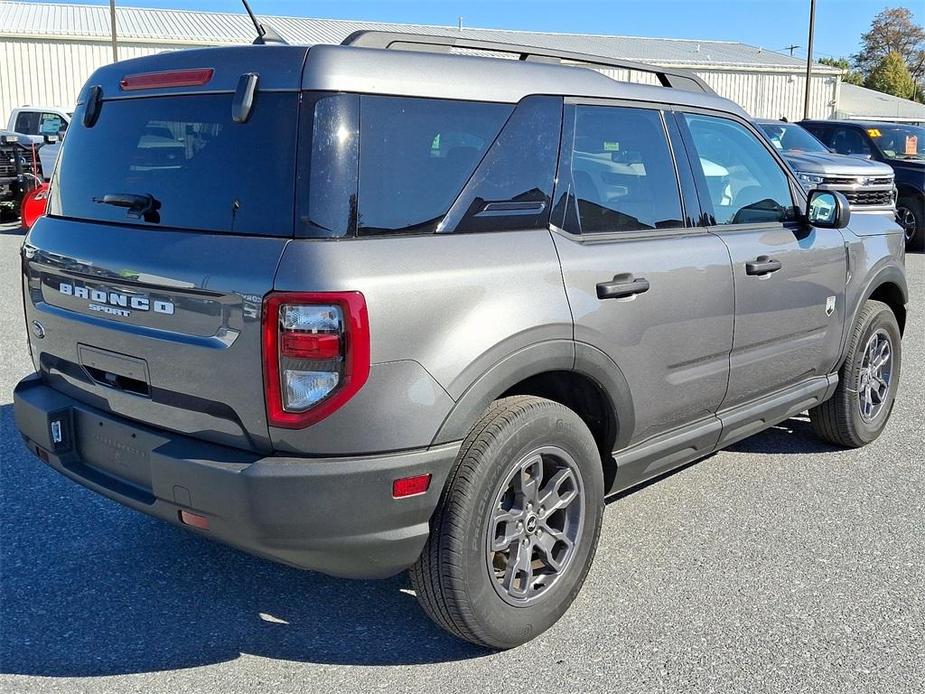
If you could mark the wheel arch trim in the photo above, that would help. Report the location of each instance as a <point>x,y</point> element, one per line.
<point>534,360</point>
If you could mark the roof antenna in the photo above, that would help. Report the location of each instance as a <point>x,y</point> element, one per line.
<point>265,33</point>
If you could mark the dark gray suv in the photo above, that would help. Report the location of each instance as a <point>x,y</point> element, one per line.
<point>360,309</point>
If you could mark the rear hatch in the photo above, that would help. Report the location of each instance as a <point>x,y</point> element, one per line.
<point>167,219</point>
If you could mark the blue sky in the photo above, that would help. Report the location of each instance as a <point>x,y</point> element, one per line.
<point>771,24</point>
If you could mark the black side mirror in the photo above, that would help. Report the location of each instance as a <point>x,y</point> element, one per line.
<point>827,209</point>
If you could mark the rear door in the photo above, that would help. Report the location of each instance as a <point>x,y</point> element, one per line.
<point>645,285</point>
<point>789,277</point>
<point>166,223</point>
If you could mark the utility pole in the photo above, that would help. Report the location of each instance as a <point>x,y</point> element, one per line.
<point>809,57</point>
<point>792,47</point>
<point>112,21</point>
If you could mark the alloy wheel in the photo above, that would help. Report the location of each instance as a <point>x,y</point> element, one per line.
<point>906,219</point>
<point>535,525</point>
<point>876,375</point>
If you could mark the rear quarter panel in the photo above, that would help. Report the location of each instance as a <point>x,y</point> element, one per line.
<point>443,309</point>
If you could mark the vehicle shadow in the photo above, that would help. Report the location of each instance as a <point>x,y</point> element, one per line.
<point>90,588</point>
<point>794,435</point>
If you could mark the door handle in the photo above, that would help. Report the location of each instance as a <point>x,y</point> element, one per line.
<point>621,287</point>
<point>762,265</point>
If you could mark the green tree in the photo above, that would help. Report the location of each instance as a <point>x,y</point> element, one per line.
<point>848,75</point>
<point>891,76</point>
<point>893,30</point>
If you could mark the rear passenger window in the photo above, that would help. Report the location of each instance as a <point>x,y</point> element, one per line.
<point>27,122</point>
<point>622,176</point>
<point>512,187</point>
<point>415,157</point>
<point>745,183</point>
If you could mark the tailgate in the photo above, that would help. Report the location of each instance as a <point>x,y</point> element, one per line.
<point>159,326</point>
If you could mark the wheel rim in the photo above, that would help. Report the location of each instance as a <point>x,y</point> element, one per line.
<point>876,375</point>
<point>535,525</point>
<point>906,220</point>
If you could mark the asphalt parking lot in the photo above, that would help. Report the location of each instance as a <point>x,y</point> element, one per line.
<point>780,565</point>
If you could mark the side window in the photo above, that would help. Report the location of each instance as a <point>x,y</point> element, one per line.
<point>619,173</point>
<point>415,156</point>
<point>27,123</point>
<point>51,124</point>
<point>512,187</point>
<point>745,183</point>
<point>848,140</point>
<point>821,133</point>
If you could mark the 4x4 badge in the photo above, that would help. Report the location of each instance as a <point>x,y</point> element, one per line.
<point>830,306</point>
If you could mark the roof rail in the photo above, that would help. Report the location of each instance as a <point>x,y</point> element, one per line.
<point>675,78</point>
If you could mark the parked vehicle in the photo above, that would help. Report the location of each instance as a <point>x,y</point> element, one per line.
<point>868,185</point>
<point>900,146</point>
<point>380,309</point>
<point>44,126</point>
<point>16,177</point>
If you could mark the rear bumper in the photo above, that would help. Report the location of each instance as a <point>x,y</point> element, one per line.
<point>334,515</point>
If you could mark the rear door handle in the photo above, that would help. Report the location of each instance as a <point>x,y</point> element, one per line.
<point>621,287</point>
<point>762,265</point>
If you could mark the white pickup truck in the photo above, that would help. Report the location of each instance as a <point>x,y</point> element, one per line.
<point>43,126</point>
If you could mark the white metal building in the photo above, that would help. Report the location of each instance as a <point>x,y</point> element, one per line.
<point>48,50</point>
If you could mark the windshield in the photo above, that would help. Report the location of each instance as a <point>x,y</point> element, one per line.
<point>899,141</point>
<point>788,137</point>
<point>182,162</point>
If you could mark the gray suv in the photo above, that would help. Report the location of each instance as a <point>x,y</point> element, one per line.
<point>360,309</point>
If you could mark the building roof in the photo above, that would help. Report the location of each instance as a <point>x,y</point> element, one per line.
<point>859,103</point>
<point>182,27</point>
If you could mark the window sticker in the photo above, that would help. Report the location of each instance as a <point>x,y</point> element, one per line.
<point>912,144</point>
<point>611,146</point>
<point>873,132</point>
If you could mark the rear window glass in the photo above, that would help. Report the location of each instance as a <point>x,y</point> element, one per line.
<point>415,157</point>
<point>380,165</point>
<point>203,170</point>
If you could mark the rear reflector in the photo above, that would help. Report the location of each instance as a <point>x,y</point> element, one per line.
<point>194,520</point>
<point>410,486</point>
<point>166,78</point>
<point>310,345</point>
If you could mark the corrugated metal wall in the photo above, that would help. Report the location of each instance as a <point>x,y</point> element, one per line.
<point>51,72</point>
<point>762,94</point>
<point>776,95</point>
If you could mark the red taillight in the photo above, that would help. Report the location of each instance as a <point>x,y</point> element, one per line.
<point>315,354</point>
<point>410,486</point>
<point>166,78</point>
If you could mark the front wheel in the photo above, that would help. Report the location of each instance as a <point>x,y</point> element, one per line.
<point>910,215</point>
<point>858,411</point>
<point>517,525</point>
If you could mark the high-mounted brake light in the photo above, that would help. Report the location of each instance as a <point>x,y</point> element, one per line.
<point>166,78</point>
<point>315,354</point>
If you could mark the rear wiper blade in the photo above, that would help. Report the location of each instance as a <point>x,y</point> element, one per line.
<point>141,206</point>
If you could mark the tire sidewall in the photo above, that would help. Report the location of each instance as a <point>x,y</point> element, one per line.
<point>917,208</point>
<point>509,625</point>
<point>885,320</point>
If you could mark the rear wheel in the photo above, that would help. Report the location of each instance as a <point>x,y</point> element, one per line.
<point>858,411</point>
<point>517,526</point>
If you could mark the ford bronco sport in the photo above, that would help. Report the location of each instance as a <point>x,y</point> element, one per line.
<point>361,309</point>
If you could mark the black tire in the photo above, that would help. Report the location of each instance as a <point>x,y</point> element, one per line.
<point>910,214</point>
<point>452,578</point>
<point>839,420</point>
